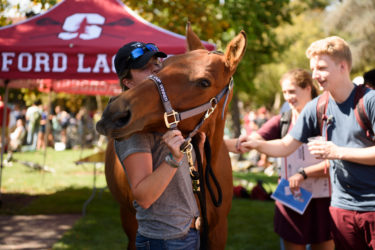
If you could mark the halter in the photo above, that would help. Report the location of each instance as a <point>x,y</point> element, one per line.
<point>208,107</point>
<point>172,118</point>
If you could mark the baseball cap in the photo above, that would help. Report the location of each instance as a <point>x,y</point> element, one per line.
<point>135,55</point>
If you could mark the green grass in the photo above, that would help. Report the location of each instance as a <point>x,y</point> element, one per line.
<point>269,182</point>
<point>65,191</point>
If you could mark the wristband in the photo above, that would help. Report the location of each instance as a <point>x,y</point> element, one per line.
<point>238,144</point>
<point>302,172</point>
<point>170,160</point>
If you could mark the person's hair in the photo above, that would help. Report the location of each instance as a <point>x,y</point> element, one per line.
<point>369,78</point>
<point>125,75</point>
<point>302,79</point>
<point>333,46</point>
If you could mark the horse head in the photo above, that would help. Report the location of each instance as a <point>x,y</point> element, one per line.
<point>188,80</point>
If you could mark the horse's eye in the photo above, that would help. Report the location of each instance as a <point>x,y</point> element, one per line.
<point>204,83</point>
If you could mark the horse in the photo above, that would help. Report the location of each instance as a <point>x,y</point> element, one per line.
<point>193,79</point>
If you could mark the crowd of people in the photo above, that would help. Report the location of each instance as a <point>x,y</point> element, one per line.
<point>26,128</point>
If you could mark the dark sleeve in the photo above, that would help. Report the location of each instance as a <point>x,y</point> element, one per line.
<point>271,129</point>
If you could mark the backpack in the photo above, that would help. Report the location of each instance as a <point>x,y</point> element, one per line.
<point>321,108</point>
<point>360,111</point>
<point>285,120</point>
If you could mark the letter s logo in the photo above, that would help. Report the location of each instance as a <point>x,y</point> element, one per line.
<point>82,25</point>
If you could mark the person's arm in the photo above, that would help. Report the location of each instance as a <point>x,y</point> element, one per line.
<point>275,148</point>
<point>233,145</point>
<point>147,185</point>
<point>316,170</point>
<point>328,150</point>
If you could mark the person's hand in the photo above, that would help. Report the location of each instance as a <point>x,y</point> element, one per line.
<point>173,139</point>
<point>246,143</point>
<point>295,182</point>
<point>324,150</point>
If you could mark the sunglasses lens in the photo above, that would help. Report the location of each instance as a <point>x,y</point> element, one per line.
<point>137,53</point>
<point>152,47</point>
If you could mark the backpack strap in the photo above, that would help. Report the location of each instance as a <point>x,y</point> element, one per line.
<point>321,109</point>
<point>285,120</point>
<point>360,112</point>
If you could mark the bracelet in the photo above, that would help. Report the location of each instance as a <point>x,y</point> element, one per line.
<point>302,172</point>
<point>170,160</point>
<point>238,144</point>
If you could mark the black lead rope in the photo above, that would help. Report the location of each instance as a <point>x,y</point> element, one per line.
<point>209,172</point>
<point>201,196</point>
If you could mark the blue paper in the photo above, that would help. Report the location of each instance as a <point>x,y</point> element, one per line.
<point>298,202</point>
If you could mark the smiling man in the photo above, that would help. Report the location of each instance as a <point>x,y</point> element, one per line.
<point>350,152</point>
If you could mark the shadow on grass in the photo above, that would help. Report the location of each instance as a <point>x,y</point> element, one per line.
<point>250,222</point>
<point>99,229</point>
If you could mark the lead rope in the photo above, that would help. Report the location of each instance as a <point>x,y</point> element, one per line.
<point>209,172</point>
<point>201,193</point>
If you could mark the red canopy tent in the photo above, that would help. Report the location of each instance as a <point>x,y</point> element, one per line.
<point>76,40</point>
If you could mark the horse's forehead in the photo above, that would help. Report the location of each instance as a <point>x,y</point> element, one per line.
<point>198,61</point>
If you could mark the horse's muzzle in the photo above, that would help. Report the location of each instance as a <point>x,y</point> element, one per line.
<point>117,121</point>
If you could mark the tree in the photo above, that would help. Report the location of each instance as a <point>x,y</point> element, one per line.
<point>305,29</point>
<point>259,20</point>
<point>354,21</point>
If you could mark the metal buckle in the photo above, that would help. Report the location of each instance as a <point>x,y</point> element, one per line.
<point>213,102</point>
<point>175,116</point>
<point>188,151</point>
<point>231,84</point>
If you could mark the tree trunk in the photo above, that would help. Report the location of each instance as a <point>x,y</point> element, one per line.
<point>235,113</point>
<point>236,119</point>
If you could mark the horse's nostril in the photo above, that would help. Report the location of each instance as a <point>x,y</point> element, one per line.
<point>100,127</point>
<point>122,119</point>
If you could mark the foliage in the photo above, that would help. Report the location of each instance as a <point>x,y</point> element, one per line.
<point>220,23</point>
<point>354,21</point>
<point>258,19</point>
<point>299,35</point>
<point>22,9</point>
<point>205,16</point>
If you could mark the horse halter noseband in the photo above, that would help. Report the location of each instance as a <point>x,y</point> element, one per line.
<point>208,107</point>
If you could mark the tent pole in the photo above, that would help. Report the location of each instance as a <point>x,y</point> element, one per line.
<point>3,130</point>
<point>48,127</point>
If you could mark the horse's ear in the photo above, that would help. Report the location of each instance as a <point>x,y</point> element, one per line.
<point>192,40</point>
<point>235,51</point>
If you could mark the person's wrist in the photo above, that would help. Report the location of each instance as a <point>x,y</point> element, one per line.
<point>302,172</point>
<point>170,160</point>
<point>237,145</point>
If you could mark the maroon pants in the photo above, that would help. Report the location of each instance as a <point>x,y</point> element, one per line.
<point>352,229</point>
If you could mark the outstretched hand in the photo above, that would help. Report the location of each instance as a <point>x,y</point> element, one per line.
<point>246,143</point>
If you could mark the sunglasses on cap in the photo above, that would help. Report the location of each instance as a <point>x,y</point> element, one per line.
<point>140,51</point>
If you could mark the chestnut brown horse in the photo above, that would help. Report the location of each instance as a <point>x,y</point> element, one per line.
<point>189,80</point>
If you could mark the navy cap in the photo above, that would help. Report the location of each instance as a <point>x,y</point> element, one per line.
<point>125,61</point>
